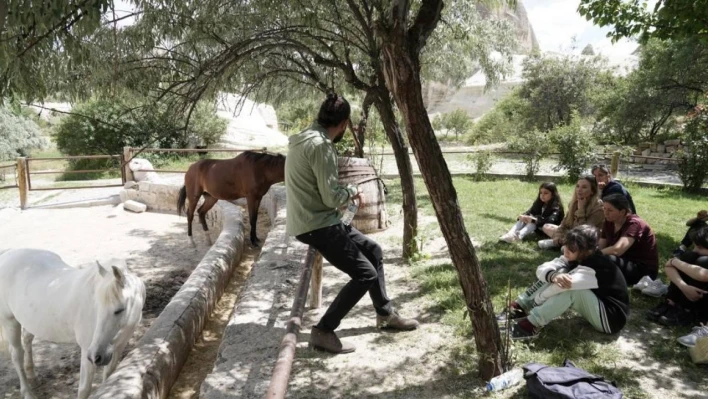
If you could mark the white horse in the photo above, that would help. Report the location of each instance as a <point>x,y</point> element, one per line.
<point>43,297</point>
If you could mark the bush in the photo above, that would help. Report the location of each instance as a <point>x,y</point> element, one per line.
<point>483,162</point>
<point>18,135</point>
<point>534,146</point>
<point>693,169</point>
<point>457,122</point>
<point>576,147</point>
<point>502,122</point>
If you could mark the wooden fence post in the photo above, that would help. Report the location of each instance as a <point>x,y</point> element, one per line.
<point>22,181</point>
<point>614,167</point>
<point>316,282</point>
<point>127,155</point>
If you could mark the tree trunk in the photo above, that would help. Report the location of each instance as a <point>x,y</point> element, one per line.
<point>405,171</point>
<point>402,72</point>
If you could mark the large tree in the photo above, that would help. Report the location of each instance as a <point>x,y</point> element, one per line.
<point>404,31</point>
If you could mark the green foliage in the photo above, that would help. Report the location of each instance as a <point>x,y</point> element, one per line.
<point>504,121</point>
<point>456,121</point>
<point>575,146</point>
<point>693,170</point>
<point>555,86</point>
<point>105,127</point>
<point>643,106</point>
<point>674,19</point>
<point>483,162</point>
<point>297,114</point>
<point>18,135</point>
<point>534,146</point>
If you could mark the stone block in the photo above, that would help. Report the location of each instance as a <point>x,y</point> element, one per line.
<point>660,148</point>
<point>644,146</point>
<point>134,206</point>
<point>123,194</point>
<point>650,160</point>
<point>646,152</point>
<point>674,142</point>
<point>666,155</point>
<point>656,154</point>
<point>641,160</point>
<point>652,147</point>
<point>670,149</point>
<point>637,152</point>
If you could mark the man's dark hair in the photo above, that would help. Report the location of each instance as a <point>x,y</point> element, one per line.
<point>582,238</point>
<point>618,201</point>
<point>601,167</point>
<point>333,111</point>
<point>701,237</point>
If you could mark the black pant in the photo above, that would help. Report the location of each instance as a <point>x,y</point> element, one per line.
<point>633,271</point>
<point>691,233</point>
<point>347,249</point>
<point>676,295</point>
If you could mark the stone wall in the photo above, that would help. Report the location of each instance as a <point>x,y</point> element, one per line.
<point>650,155</point>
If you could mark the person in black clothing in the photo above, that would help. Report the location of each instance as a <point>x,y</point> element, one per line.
<point>548,208</point>
<point>609,186</point>
<point>687,299</point>
<point>583,279</point>
<point>694,224</point>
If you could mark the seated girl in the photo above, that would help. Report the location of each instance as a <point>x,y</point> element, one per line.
<point>608,185</point>
<point>585,208</point>
<point>548,208</point>
<point>687,299</point>
<point>628,240</point>
<point>583,279</point>
<point>694,224</point>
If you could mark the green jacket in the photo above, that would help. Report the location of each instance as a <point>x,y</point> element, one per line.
<point>311,182</point>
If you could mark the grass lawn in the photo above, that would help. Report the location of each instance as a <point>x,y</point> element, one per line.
<point>489,209</point>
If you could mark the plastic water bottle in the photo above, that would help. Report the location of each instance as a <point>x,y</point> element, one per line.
<point>511,377</point>
<point>350,212</point>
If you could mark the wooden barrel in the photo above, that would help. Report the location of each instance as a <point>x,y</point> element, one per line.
<point>372,216</point>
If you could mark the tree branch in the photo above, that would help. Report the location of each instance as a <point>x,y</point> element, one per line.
<point>425,23</point>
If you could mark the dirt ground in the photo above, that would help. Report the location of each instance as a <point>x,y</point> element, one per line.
<point>154,245</point>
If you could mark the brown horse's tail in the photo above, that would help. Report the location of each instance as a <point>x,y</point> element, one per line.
<point>181,200</point>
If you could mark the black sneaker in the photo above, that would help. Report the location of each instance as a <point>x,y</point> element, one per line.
<point>510,315</point>
<point>677,316</point>
<point>523,330</point>
<point>658,311</point>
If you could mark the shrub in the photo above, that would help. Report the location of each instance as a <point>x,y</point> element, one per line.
<point>693,169</point>
<point>502,122</point>
<point>483,162</point>
<point>533,146</point>
<point>456,122</point>
<point>18,135</point>
<point>575,146</point>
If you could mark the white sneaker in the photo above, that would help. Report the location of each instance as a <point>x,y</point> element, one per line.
<point>656,289</point>
<point>547,244</point>
<point>509,237</point>
<point>690,339</point>
<point>643,283</point>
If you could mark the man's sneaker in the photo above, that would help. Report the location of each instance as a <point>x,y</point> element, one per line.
<point>510,314</point>
<point>690,339</point>
<point>643,283</point>
<point>677,316</point>
<point>510,237</point>
<point>658,311</point>
<point>396,322</point>
<point>547,244</point>
<point>523,329</point>
<point>656,288</point>
<point>329,342</point>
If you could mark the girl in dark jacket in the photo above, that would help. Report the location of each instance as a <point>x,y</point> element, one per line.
<point>548,208</point>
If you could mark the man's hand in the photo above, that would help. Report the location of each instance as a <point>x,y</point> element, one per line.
<point>601,185</point>
<point>563,280</point>
<point>525,219</point>
<point>692,293</point>
<point>360,196</point>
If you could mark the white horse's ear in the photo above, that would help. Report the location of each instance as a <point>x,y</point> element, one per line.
<point>101,270</point>
<point>118,274</point>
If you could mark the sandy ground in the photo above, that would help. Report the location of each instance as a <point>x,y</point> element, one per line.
<point>155,246</point>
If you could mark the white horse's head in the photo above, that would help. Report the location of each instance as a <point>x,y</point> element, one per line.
<point>120,296</point>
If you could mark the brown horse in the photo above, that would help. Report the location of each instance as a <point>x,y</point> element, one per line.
<point>249,175</point>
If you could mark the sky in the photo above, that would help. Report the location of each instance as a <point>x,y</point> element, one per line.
<point>555,22</point>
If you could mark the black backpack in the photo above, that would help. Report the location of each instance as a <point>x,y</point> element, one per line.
<point>567,382</point>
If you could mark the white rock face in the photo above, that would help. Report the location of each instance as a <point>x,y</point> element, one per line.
<point>138,165</point>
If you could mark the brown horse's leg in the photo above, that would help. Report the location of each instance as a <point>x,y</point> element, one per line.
<point>209,202</point>
<point>253,204</point>
<point>193,201</point>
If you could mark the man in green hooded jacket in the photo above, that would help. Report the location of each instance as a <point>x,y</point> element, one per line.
<point>313,198</point>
